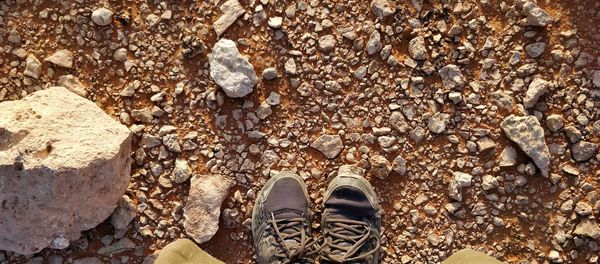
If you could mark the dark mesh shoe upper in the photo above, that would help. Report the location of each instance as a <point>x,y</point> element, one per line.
<point>282,224</point>
<point>286,199</point>
<point>349,202</point>
<point>351,227</point>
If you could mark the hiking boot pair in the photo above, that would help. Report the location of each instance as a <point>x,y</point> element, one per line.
<point>351,221</point>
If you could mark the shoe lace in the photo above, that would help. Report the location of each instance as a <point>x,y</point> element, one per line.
<point>347,237</point>
<point>291,231</point>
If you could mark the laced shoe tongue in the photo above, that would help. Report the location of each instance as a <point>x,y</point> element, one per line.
<point>291,242</point>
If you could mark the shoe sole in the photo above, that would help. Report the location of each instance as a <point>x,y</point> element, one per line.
<point>267,188</point>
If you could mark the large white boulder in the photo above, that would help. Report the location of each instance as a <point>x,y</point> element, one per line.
<point>64,165</point>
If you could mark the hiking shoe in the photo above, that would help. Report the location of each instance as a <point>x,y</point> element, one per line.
<point>351,219</point>
<point>281,222</point>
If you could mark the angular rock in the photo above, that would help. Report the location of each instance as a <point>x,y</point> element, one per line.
<point>374,43</point>
<point>583,150</point>
<point>232,10</point>
<point>554,122</point>
<point>535,49</point>
<point>399,165</point>
<point>62,160</point>
<point>102,16</point>
<point>380,166</point>
<point>33,67</point>
<point>535,15</point>
<point>327,43</point>
<point>508,157</point>
<point>329,145</point>
<point>416,48</point>
<point>383,8</point>
<point>182,171</point>
<point>587,228</point>
<point>527,132</point>
<point>230,70</point>
<point>62,58</point>
<point>203,207</point>
<point>452,77</point>
<point>462,179</point>
<point>438,122</point>
<point>537,88</point>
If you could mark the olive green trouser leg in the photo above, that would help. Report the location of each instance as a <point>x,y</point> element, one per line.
<point>184,251</point>
<point>469,256</point>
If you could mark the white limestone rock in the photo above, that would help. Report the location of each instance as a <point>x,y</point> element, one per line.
<point>64,165</point>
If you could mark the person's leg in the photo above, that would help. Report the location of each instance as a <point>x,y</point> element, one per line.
<point>351,220</point>
<point>469,256</point>
<point>184,251</point>
<point>281,222</point>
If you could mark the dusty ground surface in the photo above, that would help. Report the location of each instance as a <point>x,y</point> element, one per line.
<point>511,212</point>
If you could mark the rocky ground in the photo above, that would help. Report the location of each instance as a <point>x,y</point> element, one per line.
<point>478,122</point>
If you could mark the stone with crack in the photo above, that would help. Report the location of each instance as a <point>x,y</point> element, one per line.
<point>203,207</point>
<point>61,156</point>
<point>329,145</point>
<point>527,132</point>
<point>230,70</point>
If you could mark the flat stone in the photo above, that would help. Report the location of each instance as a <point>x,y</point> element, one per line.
<point>62,58</point>
<point>230,70</point>
<point>329,145</point>
<point>232,10</point>
<point>508,157</point>
<point>535,49</point>
<point>203,207</point>
<point>58,151</point>
<point>527,132</point>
